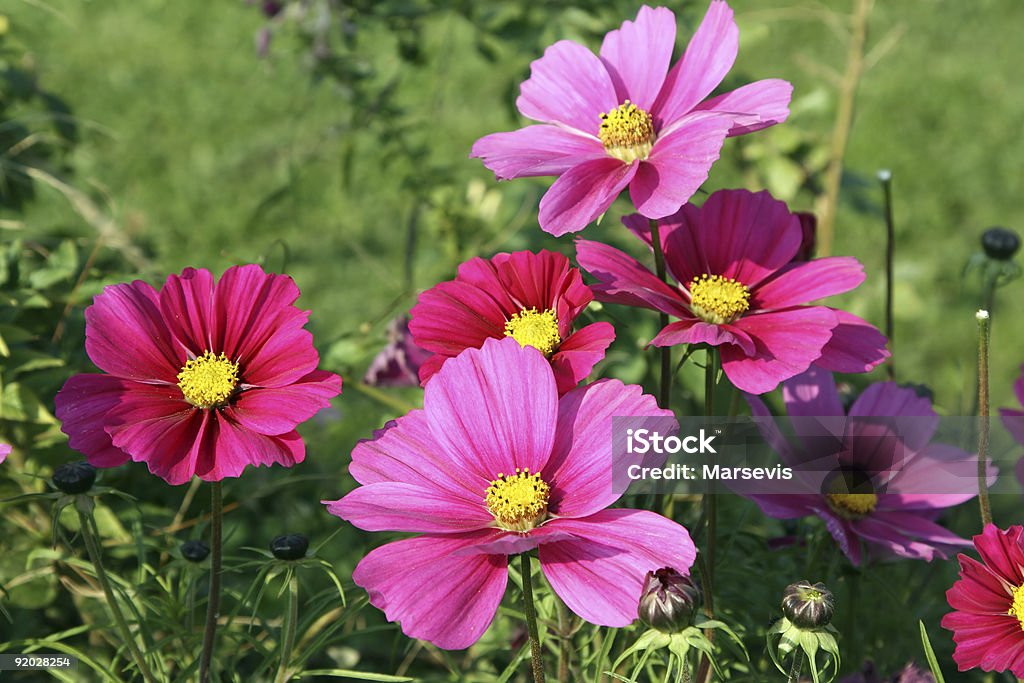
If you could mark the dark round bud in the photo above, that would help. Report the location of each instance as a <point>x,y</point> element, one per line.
<point>289,547</point>
<point>74,477</point>
<point>195,550</point>
<point>808,605</point>
<point>1000,243</point>
<point>668,600</point>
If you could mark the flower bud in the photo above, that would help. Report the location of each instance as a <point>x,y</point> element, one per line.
<point>195,550</point>
<point>999,243</point>
<point>74,477</point>
<point>289,547</point>
<point>668,600</point>
<point>808,605</point>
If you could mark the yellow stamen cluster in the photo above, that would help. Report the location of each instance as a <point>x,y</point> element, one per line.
<point>209,380</point>
<point>716,299</point>
<point>627,132</point>
<point>538,329</point>
<point>1017,608</point>
<point>852,505</point>
<point>518,501</point>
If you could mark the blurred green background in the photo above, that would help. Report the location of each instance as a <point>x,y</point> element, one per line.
<point>331,141</point>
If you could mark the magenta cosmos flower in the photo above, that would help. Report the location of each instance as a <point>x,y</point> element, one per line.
<point>740,290</point>
<point>201,379</point>
<point>534,298</point>
<point>624,119</point>
<point>496,463</point>
<point>872,475</point>
<point>988,624</point>
<point>5,450</point>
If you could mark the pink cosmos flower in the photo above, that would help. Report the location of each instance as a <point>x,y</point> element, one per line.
<point>200,379</point>
<point>739,290</point>
<point>496,463</point>
<point>5,450</point>
<point>624,119</point>
<point>871,475</point>
<point>988,624</point>
<point>534,298</point>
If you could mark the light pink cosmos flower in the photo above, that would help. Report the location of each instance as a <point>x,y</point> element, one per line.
<point>988,624</point>
<point>624,119</point>
<point>739,289</point>
<point>495,464</point>
<point>201,379</point>
<point>872,474</point>
<point>534,298</point>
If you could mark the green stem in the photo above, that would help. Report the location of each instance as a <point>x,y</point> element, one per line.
<point>710,503</point>
<point>983,417</point>
<point>289,628</point>
<point>798,665</point>
<point>706,559</point>
<point>565,640</point>
<point>87,524</point>
<point>665,387</point>
<point>213,599</point>
<point>531,620</point>
<point>890,252</point>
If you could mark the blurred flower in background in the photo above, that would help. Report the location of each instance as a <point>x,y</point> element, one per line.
<point>399,362</point>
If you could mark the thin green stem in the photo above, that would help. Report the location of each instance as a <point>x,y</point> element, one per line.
<point>797,666</point>
<point>983,417</point>
<point>291,621</point>
<point>565,640</point>
<point>213,599</point>
<point>890,252</point>
<point>665,387</point>
<point>706,559</point>
<point>531,620</point>
<point>87,524</point>
<point>710,503</point>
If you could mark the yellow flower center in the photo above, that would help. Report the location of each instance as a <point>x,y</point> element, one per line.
<point>852,505</point>
<point>1017,608</point>
<point>537,329</point>
<point>717,299</point>
<point>518,501</point>
<point>208,381</point>
<point>627,132</point>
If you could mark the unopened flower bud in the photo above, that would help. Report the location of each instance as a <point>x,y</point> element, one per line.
<point>195,550</point>
<point>74,477</point>
<point>289,547</point>
<point>999,243</point>
<point>668,600</point>
<point>808,605</point>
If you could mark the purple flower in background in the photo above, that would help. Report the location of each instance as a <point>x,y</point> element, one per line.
<point>872,476</point>
<point>1013,418</point>
<point>624,119</point>
<point>398,363</point>
<point>5,450</point>
<point>911,673</point>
